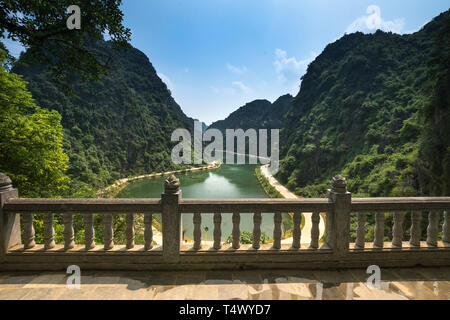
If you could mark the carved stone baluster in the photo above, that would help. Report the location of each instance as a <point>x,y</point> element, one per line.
<point>446,228</point>
<point>129,232</point>
<point>360,241</point>
<point>217,230</point>
<point>433,228</point>
<point>108,232</point>
<point>197,230</point>
<point>397,230</point>
<point>277,219</point>
<point>68,231</point>
<point>416,231</point>
<point>28,231</point>
<point>378,240</point>
<point>315,219</point>
<point>296,231</point>
<point>257,218</point>
<point>49,232</point>
<point>236,219</point>
<point>148,231</point>
<point>89,232</point>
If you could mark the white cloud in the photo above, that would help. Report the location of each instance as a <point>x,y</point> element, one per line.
<point>167,81</point>
<point>289,69</point>
<point>235,69</point>
<point>242,87</point>
<point>373,21</point>
<point>237,88</point>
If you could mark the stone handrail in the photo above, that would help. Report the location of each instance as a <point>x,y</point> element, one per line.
<point>20,252</point>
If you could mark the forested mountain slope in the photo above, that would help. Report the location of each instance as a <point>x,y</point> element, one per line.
<point>258,114</point>
<point>118,126</point>
<point>368,107</point>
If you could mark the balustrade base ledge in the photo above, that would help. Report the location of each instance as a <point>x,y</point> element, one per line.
<point>242,259</point>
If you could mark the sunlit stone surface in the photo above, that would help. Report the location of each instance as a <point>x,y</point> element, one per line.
<point>396,284</point>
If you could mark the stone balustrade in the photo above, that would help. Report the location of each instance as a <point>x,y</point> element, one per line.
<point>19,251</point>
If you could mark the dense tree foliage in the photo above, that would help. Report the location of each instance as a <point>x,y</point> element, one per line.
<point>366,105</point>
<point>41,26</point>
<point>434,152</point>
<point>31,151</point>
<point>118,126</point>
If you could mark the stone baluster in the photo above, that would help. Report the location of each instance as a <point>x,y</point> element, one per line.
<point>197,231</point>
<point>433,228</point>
<point>236,233</point>
<point>360,241</point>
<point>171,219</point>
<point>338,220</point>
<point>217,230</point>
<point>378,241</point>
<point>49,232</point>
<point>129,232</point>
<point>277,219</point>
<point>89,232</point>
<point>397,229</point>
<point>28,231</point>
<point>9,222</point>
<point>416,230</point>
<point>148,231</point>
<point>108,232</point>
<point>446,228</point>
<point>296,230</point>
<point>315,219</point>
<point>69,237</point>
<point>257,218</point>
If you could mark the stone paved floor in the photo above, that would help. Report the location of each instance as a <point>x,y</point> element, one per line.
<point>397,283</point>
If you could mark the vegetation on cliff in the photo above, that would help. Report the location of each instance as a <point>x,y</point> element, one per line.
<point>373,107</point>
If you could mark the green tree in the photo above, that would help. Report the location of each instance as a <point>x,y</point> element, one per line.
<point>31,152</point>
<point>247,238</point>
<point>41,27</point>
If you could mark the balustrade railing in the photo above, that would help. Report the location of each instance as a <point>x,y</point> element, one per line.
<point>20,251</point>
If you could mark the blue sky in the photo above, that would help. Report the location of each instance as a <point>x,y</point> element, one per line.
<point>216,55</point>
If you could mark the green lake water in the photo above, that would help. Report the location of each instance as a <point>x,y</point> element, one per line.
<point>226,182</point>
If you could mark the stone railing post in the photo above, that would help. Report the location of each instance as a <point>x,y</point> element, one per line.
<point>338,222</point>
<point>171,219</point>
<point>9,223</point>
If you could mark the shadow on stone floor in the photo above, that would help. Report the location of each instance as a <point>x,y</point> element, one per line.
<point>137,279</point>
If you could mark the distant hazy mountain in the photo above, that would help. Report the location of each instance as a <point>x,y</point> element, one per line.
<point>258,114</point>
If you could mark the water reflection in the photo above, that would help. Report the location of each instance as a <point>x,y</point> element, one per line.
<point>227,182</point>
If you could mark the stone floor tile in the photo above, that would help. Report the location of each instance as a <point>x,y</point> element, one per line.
<point>233,292</point>
<point>51,280</point>
<point>202,292</point>
<point>85,293</point>
<point>171,292</point>
<point>46,293</point>
<point>297,291</point>
<point>16,280</point>
<point>13,293</point>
